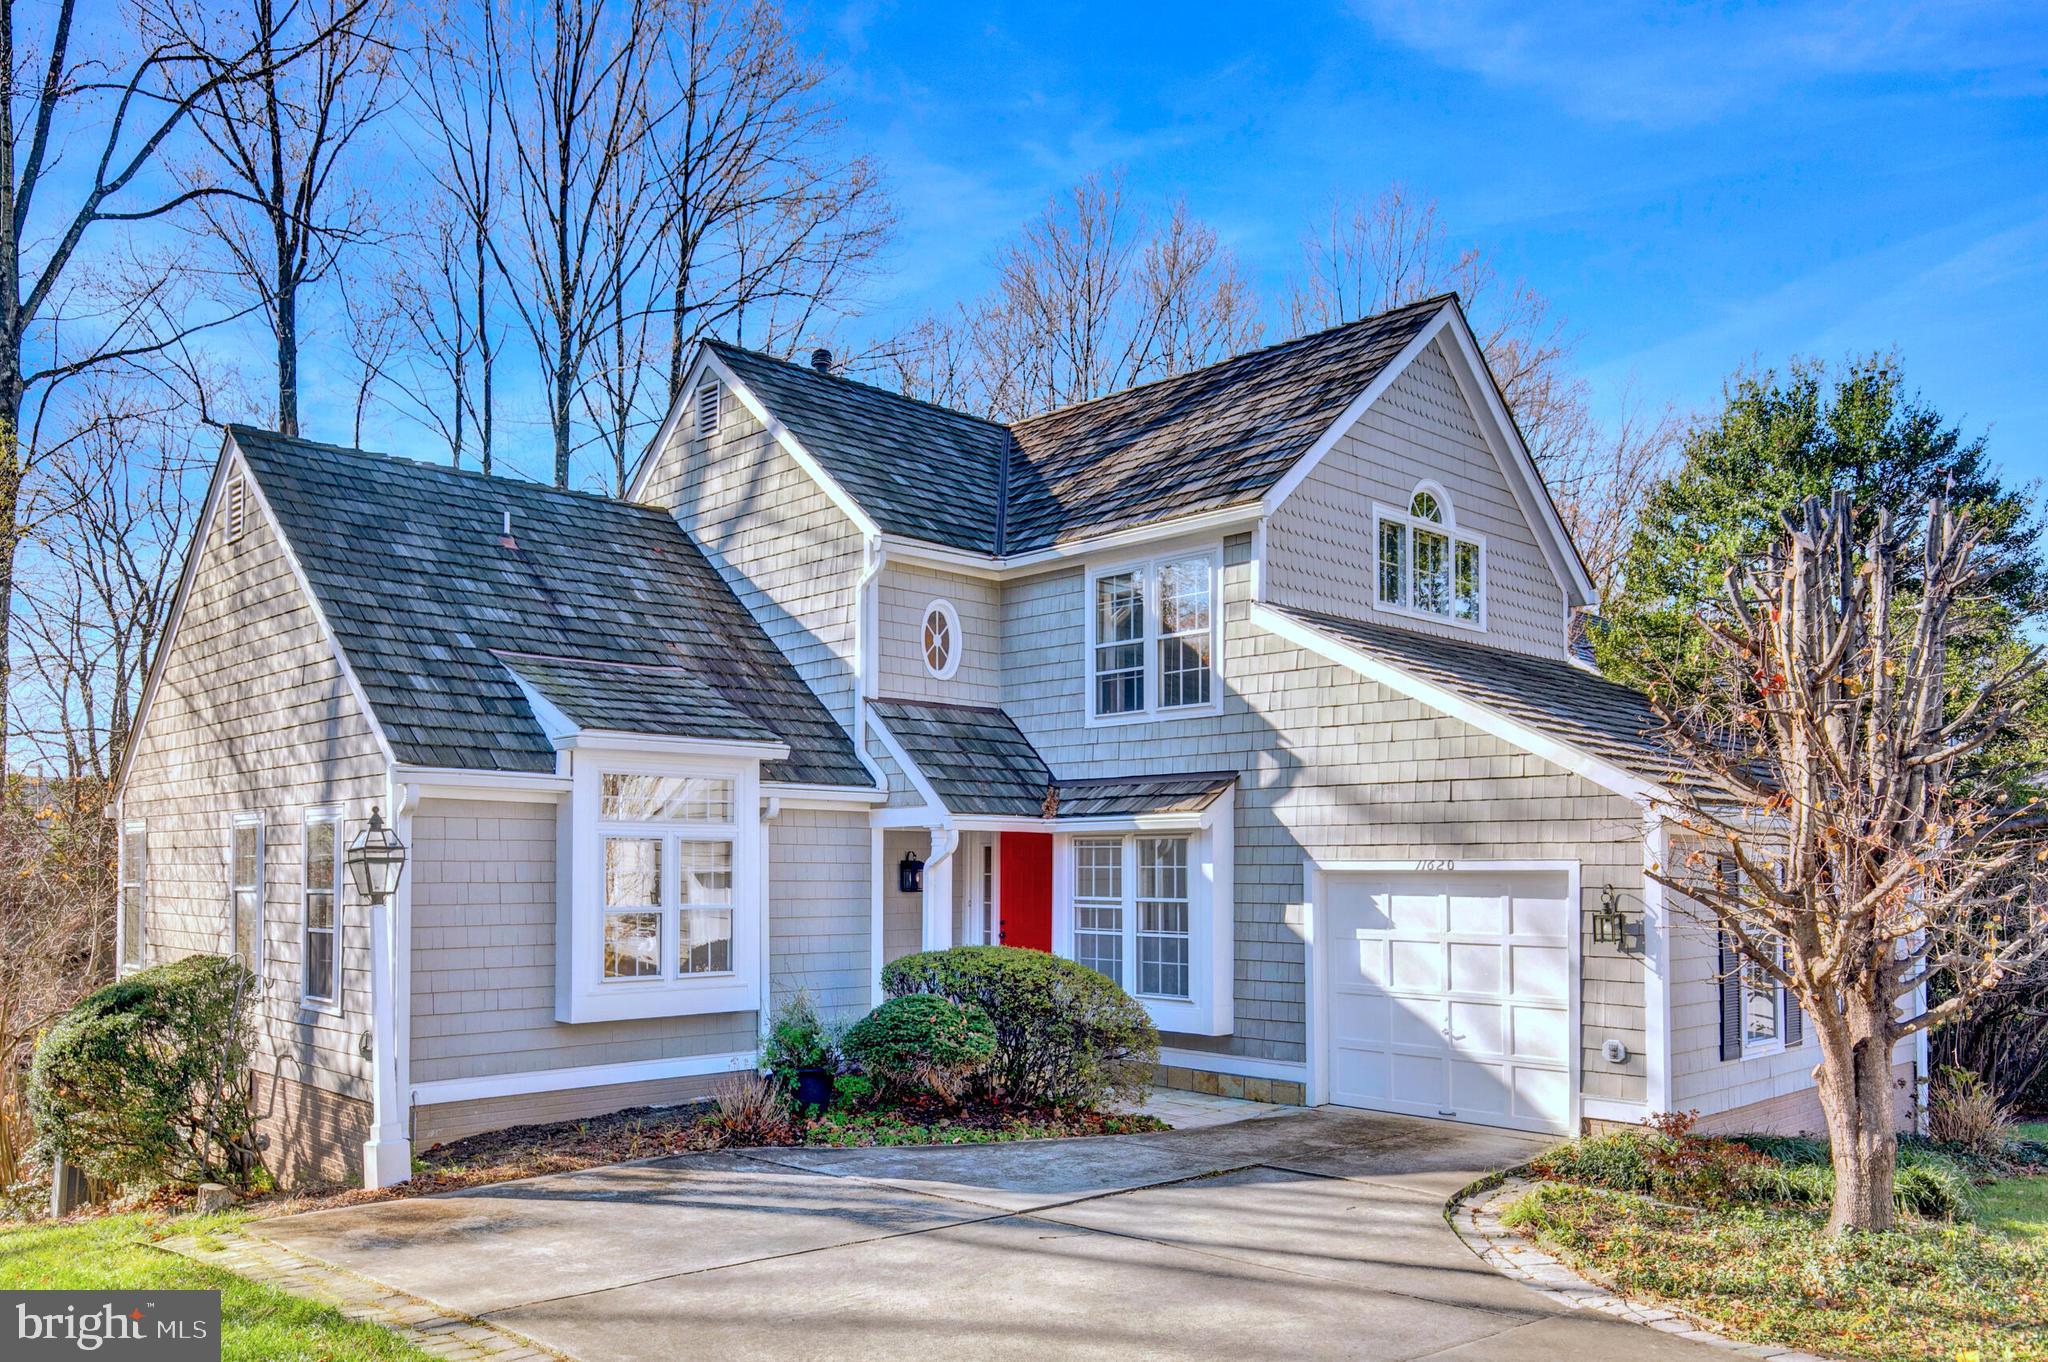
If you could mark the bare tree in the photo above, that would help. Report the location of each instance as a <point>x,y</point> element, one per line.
<point>1600,478</point>
<point>279,144</point>
<point>1087,301</point>
<point>112,103</point>
<point>373,315</point>
<point>764,228</point>
<point>450,293</point>
<point>572,78</point>
<point>1369,255</point>
<point>1840,842</point>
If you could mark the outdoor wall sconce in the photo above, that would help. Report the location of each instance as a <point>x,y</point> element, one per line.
<point>376,858</point>
<point>910,874</point>
<point>1612,925</point>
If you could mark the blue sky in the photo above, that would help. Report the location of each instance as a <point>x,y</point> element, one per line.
<point>1692,188</point>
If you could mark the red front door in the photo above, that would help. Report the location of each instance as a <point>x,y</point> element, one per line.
<point>1026,900</point>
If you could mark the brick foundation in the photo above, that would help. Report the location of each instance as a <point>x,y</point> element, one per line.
<point>316,1136</point>
<point>445,1122</point>
<point>1279,1090</point>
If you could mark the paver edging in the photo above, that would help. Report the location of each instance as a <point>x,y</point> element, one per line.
<point>1475,1217</point>
<point>431,1327</point>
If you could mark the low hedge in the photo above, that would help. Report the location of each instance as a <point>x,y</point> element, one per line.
<point>922,1040</point>
<point>147,1080</point>
<point>1064,1034</point>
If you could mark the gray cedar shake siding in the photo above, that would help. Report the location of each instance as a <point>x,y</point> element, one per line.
<point>1319,543</point>
<point>1337,768</point>
<point>252,714</point>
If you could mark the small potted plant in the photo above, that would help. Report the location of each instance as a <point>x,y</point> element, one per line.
<point>799,1051</point>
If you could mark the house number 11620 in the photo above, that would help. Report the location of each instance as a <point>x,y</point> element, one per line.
<point>1436,865</point>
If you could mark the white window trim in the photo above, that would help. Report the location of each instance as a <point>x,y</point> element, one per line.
<point>122,882</point>
<point>1210,1008</point>
<point>236,822</point>
<point>1148,570</point>
<point>1448,528</point>
<point>582,993</point>
<point>1784,1003</point>
<point>958,641</point>
<point>338,816</point>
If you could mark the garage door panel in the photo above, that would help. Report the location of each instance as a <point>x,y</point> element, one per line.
<point>1540,972</point>
<point>1480,1091</point>
<point>1475,967</point>
<point>1478,914</point>
<point>1417,966</point>
<point>1479,1028</point>
<point>1412,912</point>
<point>1448,994</point>
<point>1358,1076</point>
<point>1539,1093</point>
<point>1532,916</point>
<point>1417,1023</point>
<point>1541,1033</point>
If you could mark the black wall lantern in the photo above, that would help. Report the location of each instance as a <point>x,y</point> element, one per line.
<point>910,874</point>
<point>1613,926</point>
<point>375,860</point>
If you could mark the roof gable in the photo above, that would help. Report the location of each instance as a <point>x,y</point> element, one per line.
<point>414,570</point>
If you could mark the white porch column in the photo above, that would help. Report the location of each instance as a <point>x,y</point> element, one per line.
<point>387,1154</point>
<point>938,890</point>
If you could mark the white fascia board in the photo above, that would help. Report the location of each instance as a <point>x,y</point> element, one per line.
<point>799,796</point>
<point>444,782</point>
<point>1518,465</point>
<point>610,740</point>
<point>1224,520</point>
<point>1552,749</point>
<point>1327,441</point>
<point>230,461</point>
<point>935,807</point>
<point>438,1091</point>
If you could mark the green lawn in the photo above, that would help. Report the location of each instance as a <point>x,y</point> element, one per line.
<point>258,1323</point>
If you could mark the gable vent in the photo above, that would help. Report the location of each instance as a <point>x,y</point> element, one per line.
<point>707,409</point>
<point>236,508</point>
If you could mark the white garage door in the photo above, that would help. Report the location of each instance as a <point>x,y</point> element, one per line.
<point>1450,995</point>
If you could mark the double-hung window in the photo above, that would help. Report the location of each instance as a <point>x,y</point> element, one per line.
<point>319,942</point>
<point>1152,637</point>
<point>245,889</point>
<point>134,891</point>
<point>667,843</point>
<point>1132,911</point>
<point>1425,565</point>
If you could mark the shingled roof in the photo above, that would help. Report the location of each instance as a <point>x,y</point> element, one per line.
<point>1600,718</point>
<point>1217,437</point>
<point>423,589</point>
<point>978,762</point>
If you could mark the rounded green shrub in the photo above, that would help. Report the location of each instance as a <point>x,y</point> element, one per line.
<point>1064,1034</point>
<point>923,1040</point>
<point>147,1080</point>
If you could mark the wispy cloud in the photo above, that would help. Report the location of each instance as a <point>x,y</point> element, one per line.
<point>1678,65</point>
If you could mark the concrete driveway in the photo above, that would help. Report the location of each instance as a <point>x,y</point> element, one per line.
<point>1318,1234</point>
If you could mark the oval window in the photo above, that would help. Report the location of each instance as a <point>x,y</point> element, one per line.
<point>941,640</point>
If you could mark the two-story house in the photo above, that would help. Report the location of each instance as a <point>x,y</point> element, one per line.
<point>1251,688</point>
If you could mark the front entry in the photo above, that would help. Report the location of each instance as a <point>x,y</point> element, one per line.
<point>1449,995</point>
<point>1025,898</point>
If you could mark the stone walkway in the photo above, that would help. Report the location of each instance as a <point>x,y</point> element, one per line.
<point>458,1338</point>
<point>1198,1110</point>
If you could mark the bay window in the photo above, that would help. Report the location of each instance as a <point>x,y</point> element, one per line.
<point>1425,565</point>
<point>1152,637</point>
<point>661,889</point>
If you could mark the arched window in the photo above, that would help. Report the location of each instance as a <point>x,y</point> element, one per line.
<point>940,639</point>
<point>1426,566</point>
